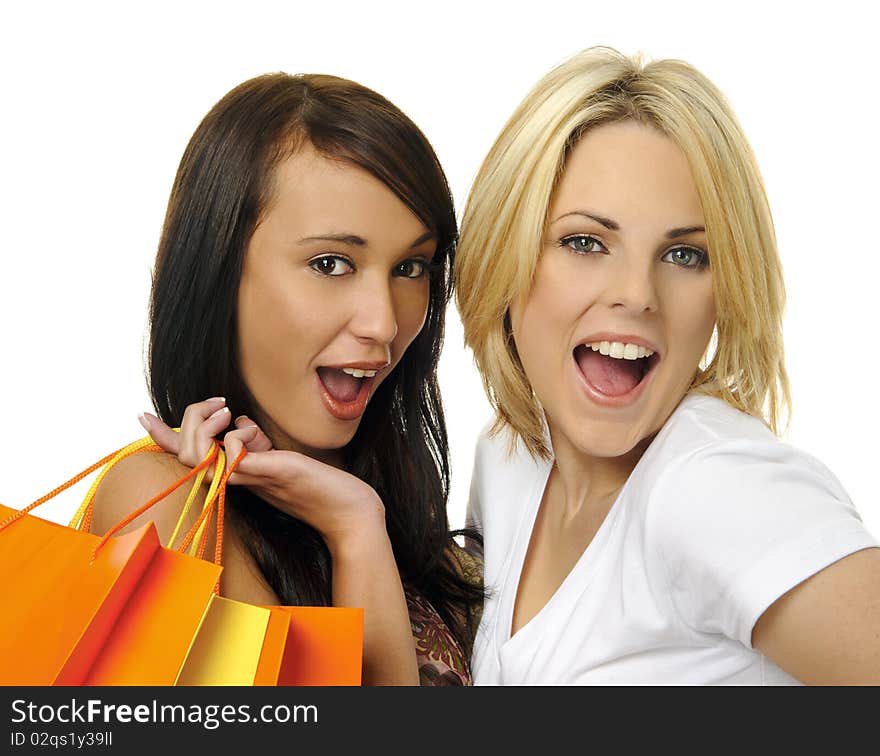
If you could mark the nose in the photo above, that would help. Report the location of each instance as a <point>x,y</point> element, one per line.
<point>374,313</point>
<point>633,287</point>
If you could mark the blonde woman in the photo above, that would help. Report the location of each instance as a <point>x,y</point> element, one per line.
<point>620,287</point>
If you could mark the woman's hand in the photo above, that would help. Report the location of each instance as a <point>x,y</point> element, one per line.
<point>340,506</point>
<point>201,423</point>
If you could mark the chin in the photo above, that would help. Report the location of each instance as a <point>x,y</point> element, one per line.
<point>312,435</point>
<point>608,450</point>
<point>603,439</point>
<point>329,440</point>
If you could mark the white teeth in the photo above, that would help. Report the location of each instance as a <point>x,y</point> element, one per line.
<point>619,350</point>
<point>358,373</point>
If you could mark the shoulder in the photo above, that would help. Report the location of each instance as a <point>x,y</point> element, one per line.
<point>502,463</point>
<point>737,516</point>
<point>712,447</point>
<point>702,421</point>
<point>135,480</point>
<point>707,445</point>
<point>721,483</point>
<point>491,448</point>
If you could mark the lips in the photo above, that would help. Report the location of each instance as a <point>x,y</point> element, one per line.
<point>345,396</point>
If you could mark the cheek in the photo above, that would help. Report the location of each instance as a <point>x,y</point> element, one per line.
<point>410,310</point>
<point>282,325</point>
<point>694,316</point>
<point>252,309</point>
<point>544,322</point>
<point>538,336</point>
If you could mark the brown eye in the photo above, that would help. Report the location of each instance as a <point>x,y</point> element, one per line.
<point>331,265</point>
<point>411,269</point>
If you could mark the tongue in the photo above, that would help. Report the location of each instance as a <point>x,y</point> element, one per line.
<point>341,386</point>
<point>609,375</point>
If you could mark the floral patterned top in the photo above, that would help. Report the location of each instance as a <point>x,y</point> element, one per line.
<point>441,659</point>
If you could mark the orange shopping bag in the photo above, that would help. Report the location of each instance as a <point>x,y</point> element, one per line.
<point>154,633</point>
<point>134,612</point>
<point>65,591</point>
<point>324,646</point>
<point>222,642</point>
<point>242,644</point>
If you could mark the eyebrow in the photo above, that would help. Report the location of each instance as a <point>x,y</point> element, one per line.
<point>676,232</point>
<point>358,241</point>
<point>611,225</point>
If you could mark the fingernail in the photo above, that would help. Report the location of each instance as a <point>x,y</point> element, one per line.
<point>217,399</point>
<point>221,411</point>
<point>144,421</point>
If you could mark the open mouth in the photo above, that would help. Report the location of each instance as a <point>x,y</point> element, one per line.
<point>615,370</point>
<point>345,391</point>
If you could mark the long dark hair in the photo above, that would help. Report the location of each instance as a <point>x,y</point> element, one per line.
<point>222,186</point>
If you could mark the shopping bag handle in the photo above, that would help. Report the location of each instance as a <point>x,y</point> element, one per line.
<point>216,493</point>
<point>209,458</point>
<point>219,467</point>
<point>85,511</point>
<point>82,519</point>
<point>138,446</point>
<point>63,487</point>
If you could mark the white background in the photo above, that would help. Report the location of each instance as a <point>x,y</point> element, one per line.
<point>99,100</point>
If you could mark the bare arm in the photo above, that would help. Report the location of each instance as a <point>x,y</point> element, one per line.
<point>365,574</point>
<point>826,631</point>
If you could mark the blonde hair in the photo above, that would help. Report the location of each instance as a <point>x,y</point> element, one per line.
<point>506,214</point>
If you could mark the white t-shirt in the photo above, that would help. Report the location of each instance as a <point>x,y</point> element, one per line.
<point>717,520</point>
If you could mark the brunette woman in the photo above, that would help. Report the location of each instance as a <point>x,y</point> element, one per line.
<point>301,281</point>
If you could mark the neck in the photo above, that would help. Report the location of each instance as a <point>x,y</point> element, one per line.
<point>587,481</point>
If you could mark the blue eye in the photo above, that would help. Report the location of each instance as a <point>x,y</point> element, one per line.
<point>687,257</point>
<point>411,269</point>
<point>331,265</point>
<point>582,244</point>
